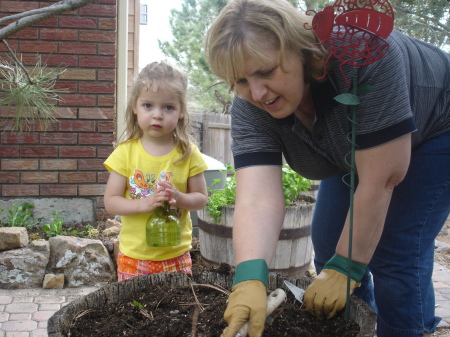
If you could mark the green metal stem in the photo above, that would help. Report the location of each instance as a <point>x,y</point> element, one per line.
<point>352,192</point>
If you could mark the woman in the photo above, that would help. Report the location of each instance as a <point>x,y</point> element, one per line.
<point>264,52</point>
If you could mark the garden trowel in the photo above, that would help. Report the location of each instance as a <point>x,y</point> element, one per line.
<point>296,291</point>
<point>274,299</point>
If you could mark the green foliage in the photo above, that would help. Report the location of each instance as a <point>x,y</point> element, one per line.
<point>426,20</point>
<point>293,184</point>
<point>20,216</point>
<point>89,231</point>
<point>32,95</point>
<point>137,304</point>
<point>222,197</point>
<point>56,227</point>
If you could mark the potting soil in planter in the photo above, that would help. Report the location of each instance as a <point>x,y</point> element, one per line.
<point>173,304</point>
<point>178,312</point>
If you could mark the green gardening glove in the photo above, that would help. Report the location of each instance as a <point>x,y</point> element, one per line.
<point>248,300</point>
<point>327,294</point>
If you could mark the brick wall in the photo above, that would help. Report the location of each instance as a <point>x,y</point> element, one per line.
<point>67,160</point>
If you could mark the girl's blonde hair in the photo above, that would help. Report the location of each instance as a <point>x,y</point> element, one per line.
<point>160,76</point>
<point>243,24</point>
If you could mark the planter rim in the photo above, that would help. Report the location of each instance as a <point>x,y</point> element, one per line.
<point>59,323</point>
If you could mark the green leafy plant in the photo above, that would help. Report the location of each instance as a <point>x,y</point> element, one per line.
<point>222,197</point>
<point>56,227</point>
<point>20,216</point>
<point>293,184</point>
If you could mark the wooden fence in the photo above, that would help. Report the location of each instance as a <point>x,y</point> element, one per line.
<point>213,136</point>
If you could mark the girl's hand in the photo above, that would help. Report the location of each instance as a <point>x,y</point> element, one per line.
<point>155,200</point>
<point>171,190</point>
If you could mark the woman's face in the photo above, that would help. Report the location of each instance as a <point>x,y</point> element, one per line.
<point>269,87</point>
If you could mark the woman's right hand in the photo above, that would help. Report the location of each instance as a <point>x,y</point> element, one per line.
<point>247,302</point>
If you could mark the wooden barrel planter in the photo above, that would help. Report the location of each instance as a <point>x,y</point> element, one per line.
<point>294,249</point>
<point>110,295</point>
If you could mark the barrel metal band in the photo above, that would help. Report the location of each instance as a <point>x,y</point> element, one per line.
<point>291,271</point>
<point>226,232</point>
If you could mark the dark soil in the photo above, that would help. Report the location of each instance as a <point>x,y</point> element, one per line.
<point>196,311</point>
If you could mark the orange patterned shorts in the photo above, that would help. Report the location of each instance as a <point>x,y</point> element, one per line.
<point>128,267</point>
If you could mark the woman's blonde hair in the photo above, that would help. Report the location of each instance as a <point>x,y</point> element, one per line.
<point>243,24</point>
<point>160,76</point>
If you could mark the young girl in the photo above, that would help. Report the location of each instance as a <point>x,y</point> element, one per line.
<point>156,163</point>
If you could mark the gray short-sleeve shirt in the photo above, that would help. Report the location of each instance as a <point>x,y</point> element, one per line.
<point>411,93</point>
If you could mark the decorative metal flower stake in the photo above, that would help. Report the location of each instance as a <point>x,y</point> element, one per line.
<point>355,36</point>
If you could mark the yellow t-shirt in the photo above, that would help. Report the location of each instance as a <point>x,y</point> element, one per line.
<point>142,171</point>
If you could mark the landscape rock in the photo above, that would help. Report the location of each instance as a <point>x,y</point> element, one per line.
<point>52,281</point>
<point>24,267</point>
<point>111,231</point>
<point>116,248</point>
<point>82,261</point>
<point>13,237</point>
<point>112,223</point>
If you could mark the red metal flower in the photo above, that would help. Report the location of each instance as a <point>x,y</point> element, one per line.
<point>356,35</point>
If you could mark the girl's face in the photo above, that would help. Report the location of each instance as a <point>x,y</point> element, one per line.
<point>158,113</point>
<point>269,87</point>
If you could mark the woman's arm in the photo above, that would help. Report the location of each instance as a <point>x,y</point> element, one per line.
<point>380,169</point>
<point>116,203</point>
<point>194,199</point>
<point>258,214</point>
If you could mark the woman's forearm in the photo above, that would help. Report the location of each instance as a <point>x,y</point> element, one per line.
<point>370,209</point>
<point>256,231</point>
<point>258,214</point>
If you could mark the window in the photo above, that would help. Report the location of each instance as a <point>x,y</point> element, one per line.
<point>144,15</point>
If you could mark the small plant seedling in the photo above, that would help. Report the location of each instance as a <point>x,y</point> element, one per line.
<point>137,304</point>
<point>89,231</point>
<point>92,233</point>
<point>56,227</point>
